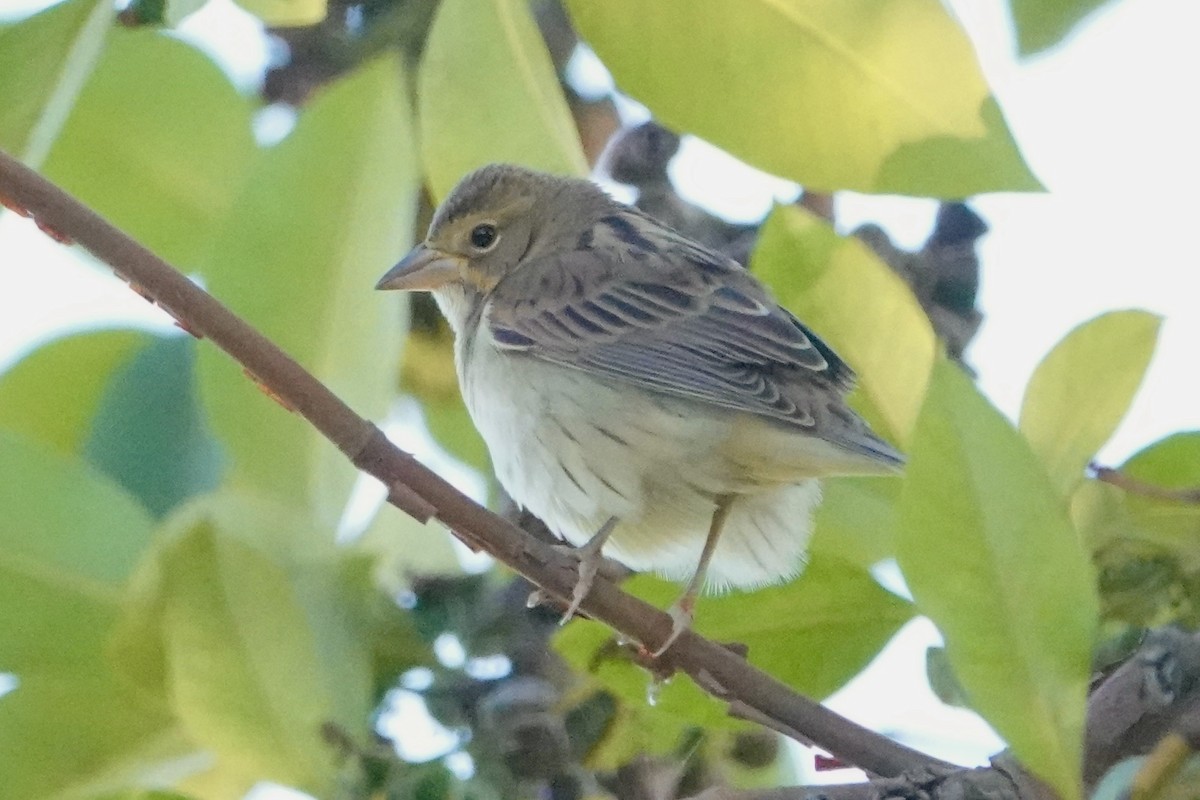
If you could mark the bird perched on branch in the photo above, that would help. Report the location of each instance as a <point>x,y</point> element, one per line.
<point>639,392</point>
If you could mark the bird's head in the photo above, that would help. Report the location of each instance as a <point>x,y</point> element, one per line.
<point>496,219</point>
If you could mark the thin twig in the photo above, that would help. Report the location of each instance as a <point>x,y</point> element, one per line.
<point>1134,486</point>
<point>421,493</point>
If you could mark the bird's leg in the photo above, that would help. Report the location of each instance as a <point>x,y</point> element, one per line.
<point>681,610</point>
<point>589,562</point>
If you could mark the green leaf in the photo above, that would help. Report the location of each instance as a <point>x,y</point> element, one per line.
<point>68,541</point>
<point>941,678</point>
<point>858,305</point>
<point>324,214</point>
<point>44,62</point>
<point>1170,463</point>
<point>60,515</point>
<point>871,95</point>
<point>1081,390</point>
<point>405,548</point>
<point>487,92</point>
<point>157,143</point>
<point>1041,24</point>
<point>286,13</point>
<point>142,794</point>
<point>678,704</point>
<point>1145,545</point>
<point>856,520</point>
<point>813,633</point>
<point>52,394</point>
<point>991,558</point>
<point>149,434</point>
<point>264,636</point>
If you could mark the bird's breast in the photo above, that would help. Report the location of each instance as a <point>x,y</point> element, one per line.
<point>577,450</point>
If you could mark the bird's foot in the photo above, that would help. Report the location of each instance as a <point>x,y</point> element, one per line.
<point>589,560</point>
<point>681,613</point>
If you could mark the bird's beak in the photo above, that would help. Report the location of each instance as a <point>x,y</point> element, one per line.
<point>422,270</point>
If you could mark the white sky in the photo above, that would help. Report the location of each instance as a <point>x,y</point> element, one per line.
<point>1110,122</point>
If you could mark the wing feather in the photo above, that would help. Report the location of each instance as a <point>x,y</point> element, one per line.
<point>639,304</point>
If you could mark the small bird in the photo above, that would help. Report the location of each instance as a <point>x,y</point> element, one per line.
<point>641,393</point>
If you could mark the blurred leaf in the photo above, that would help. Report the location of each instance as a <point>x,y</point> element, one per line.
<point>991,558</point>
<point>404,547</point>
<point>1041,24</point>
<point>487,92</point>
<point>591,649</point>
<point>451,426</point>
<point>1105,513</point>
<point>149,434</point>
<point>1174,782</point>
<point>858,305</point>
<point>856,521</point>
<point>1081,390</point>
<point>68,540</point>
<point>53,393</point>
<point>1170,463</point>
<point>1145,546</point>
<point>69,519</point>
<point>871,95</point>
<point>264,636</point>
<point>324,214</point>
<point>813,633</point>
<point>44,62</point>
<point>942,679</point>
<point>1116,782</point>
<point>178,10</point>
<point>142,794</point>
<point>286,13</point>
<point>157,143</point>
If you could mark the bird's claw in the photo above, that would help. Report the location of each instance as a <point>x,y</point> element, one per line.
<point>588,566</point>
<point>681,612</point>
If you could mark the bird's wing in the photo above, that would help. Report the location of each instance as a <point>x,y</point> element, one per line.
<point>634,302</point>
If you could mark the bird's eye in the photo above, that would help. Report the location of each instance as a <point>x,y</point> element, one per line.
<point>483,236</point>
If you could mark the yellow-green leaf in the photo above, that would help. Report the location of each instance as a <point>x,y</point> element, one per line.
<point>286,13</point>
<point>1170,463</point>
<point>1041,24</point>
<point>856,520</point>
<point>52,393</point>
<point>1082,389</point>
<point>69,539</point>
<point>990,556</point>
<point>872,95</point>
<point>44,62</point>
<point>858,305</point>
<point>814,633</point>
<point>264,637</point>
<point>487,92</point>
<point>324,214</point>
<point>157,142</point>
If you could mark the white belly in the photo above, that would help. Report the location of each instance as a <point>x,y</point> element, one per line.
<point>576,451</point>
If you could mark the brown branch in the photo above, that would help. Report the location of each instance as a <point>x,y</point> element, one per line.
<point>421,493</point>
